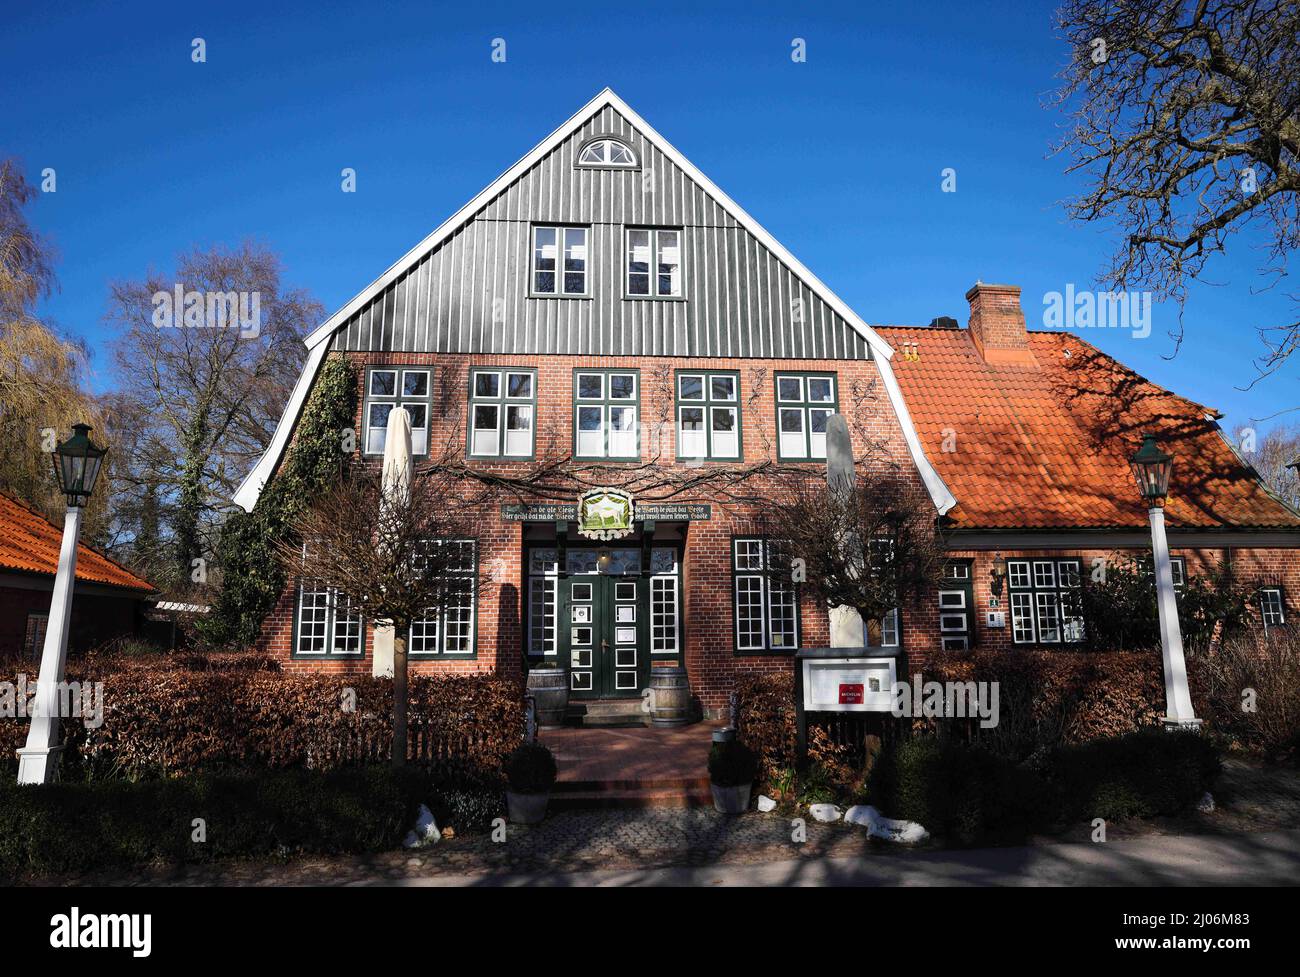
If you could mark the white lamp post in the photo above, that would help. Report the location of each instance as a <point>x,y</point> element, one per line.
<point>1151,468</point>
<point>76,465</point>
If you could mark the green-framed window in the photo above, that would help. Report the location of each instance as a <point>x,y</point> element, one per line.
<point>502,412</point>
<point>560,261</point>
<point>325,623</point>
<point>804,402</point>
<point>708,415</point>
<point>654,262</point>
<point>606,414</point>
<point>392,386</point>
<point>449,631</point>
<point>765,606</point>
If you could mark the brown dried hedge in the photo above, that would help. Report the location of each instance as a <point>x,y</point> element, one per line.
<point>1046,699</point>
<point>233,712</point>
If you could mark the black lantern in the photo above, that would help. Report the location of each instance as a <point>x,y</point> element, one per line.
<point>76,465</point>
<point>1151,468</point>
<point>998,576</point>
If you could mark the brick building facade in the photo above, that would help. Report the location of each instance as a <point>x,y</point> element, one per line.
<point>605,304</point>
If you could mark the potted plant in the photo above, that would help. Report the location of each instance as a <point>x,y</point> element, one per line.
<point>530,775</point>
<point>732,768</point>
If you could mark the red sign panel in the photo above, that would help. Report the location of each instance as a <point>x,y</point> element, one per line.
<point>851,694</point>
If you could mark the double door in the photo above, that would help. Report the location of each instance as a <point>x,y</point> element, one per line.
<point>605,634</point>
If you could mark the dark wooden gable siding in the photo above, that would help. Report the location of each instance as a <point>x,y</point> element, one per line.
<point>470,294</point>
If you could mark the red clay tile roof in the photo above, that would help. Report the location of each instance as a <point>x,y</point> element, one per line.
<point>1047,447</point>
<point>30,543</point>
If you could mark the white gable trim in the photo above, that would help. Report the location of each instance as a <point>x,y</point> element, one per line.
<point>319,338</point>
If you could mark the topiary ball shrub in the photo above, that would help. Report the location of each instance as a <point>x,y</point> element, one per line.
<point>959,792</point>
<point>732,764</point>
<point>1137,775</point>
<point>530,769</point>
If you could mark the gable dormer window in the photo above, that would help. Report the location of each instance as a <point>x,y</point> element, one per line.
<point>607,152</point>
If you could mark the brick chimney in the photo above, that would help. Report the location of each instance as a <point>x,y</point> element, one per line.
<point>997,325</point>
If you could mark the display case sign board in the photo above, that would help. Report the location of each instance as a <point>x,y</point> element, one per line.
<point>841,680</point>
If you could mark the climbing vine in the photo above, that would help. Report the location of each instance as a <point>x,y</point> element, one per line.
<point>252,577</point>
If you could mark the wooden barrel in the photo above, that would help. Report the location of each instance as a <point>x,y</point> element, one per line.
<point>672,696</point>
<point>550,689</point>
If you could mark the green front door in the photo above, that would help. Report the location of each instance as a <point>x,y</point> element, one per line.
<point>604,633</point>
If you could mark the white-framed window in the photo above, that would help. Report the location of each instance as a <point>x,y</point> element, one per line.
<point>766,605</point>
<point>543,576</point>
<point>34,639</point>
<point>1046,601</point>
<point>664,624</point>
<point>392,386</point>
<point>560,260</point>
<point>607,152</point>
<point>654,262</point>
<point>804,403</point>
<point>605,413</point>
<point>708,415</point>
<point>1272,606</point>
<point>449,630</point>
<point>325,622</point>
<point>502,412</point>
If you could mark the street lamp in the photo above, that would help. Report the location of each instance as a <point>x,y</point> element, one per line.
<point>1151,469</point>
<point>77,462</point>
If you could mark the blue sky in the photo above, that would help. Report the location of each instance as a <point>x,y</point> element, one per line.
<point>840,157</point>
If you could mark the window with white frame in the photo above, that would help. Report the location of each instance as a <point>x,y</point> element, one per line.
<point>766,604</point>
<point>543,575</point>
<point>392,386</point>
<point>607,152</point>
<point>708,415</point>
<point>502,407</point>
<point>605,414</point>
<point>663,601</point>
<point>560,260</point>
<point>449,630</point>
<point>1046,601</point>
<point>325,621</point>
<point>1272,606</point>
<point>654,263</point>
<point>804,403</point>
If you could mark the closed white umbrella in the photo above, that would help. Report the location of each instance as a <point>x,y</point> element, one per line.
<point>845,622</point>
<point>399,469</point>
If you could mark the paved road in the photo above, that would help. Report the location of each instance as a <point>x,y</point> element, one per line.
<point>1263,858</point>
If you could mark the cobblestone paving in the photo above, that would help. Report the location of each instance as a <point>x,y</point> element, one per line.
<point>1249,798</point>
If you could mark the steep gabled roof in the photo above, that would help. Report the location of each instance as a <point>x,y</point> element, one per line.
<point>30,543</point>
<point>1048,447</point>
<point>318,340</point>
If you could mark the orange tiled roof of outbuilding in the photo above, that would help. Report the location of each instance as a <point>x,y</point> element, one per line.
<point>1041,426</point>
<point>30,543</point>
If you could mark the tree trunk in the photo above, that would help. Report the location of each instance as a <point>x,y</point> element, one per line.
<point>399,696</point>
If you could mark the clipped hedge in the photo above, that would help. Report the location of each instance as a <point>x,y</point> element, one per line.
<point>83,827</point>
<point>185,714</point>
<point>968,794</point>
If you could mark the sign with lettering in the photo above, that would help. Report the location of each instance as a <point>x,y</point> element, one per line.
<point>643,512</point>
<point>605,514</point>
<point>851,693</point>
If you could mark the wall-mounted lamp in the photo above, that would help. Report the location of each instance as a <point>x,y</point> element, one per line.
<point>997,576</point>
<point>603,560</point>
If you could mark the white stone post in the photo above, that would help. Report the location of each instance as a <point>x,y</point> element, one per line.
<point>1178,698</point>
<point>38,761</point>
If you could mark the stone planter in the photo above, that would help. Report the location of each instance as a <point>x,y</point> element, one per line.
<point>526,808</point>
<point>731,800</point>
<point>550,689</point>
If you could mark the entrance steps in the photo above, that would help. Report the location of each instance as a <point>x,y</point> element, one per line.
<point>676,792</point>
<point>607,712</point>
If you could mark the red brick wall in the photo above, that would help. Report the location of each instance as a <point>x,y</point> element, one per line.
<point>706,610</point>
<point>96,618</point>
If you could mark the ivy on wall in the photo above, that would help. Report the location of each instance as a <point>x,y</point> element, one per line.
<point>252,576</point>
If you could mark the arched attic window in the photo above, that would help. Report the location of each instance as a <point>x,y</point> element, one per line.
<point>606,152</point>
